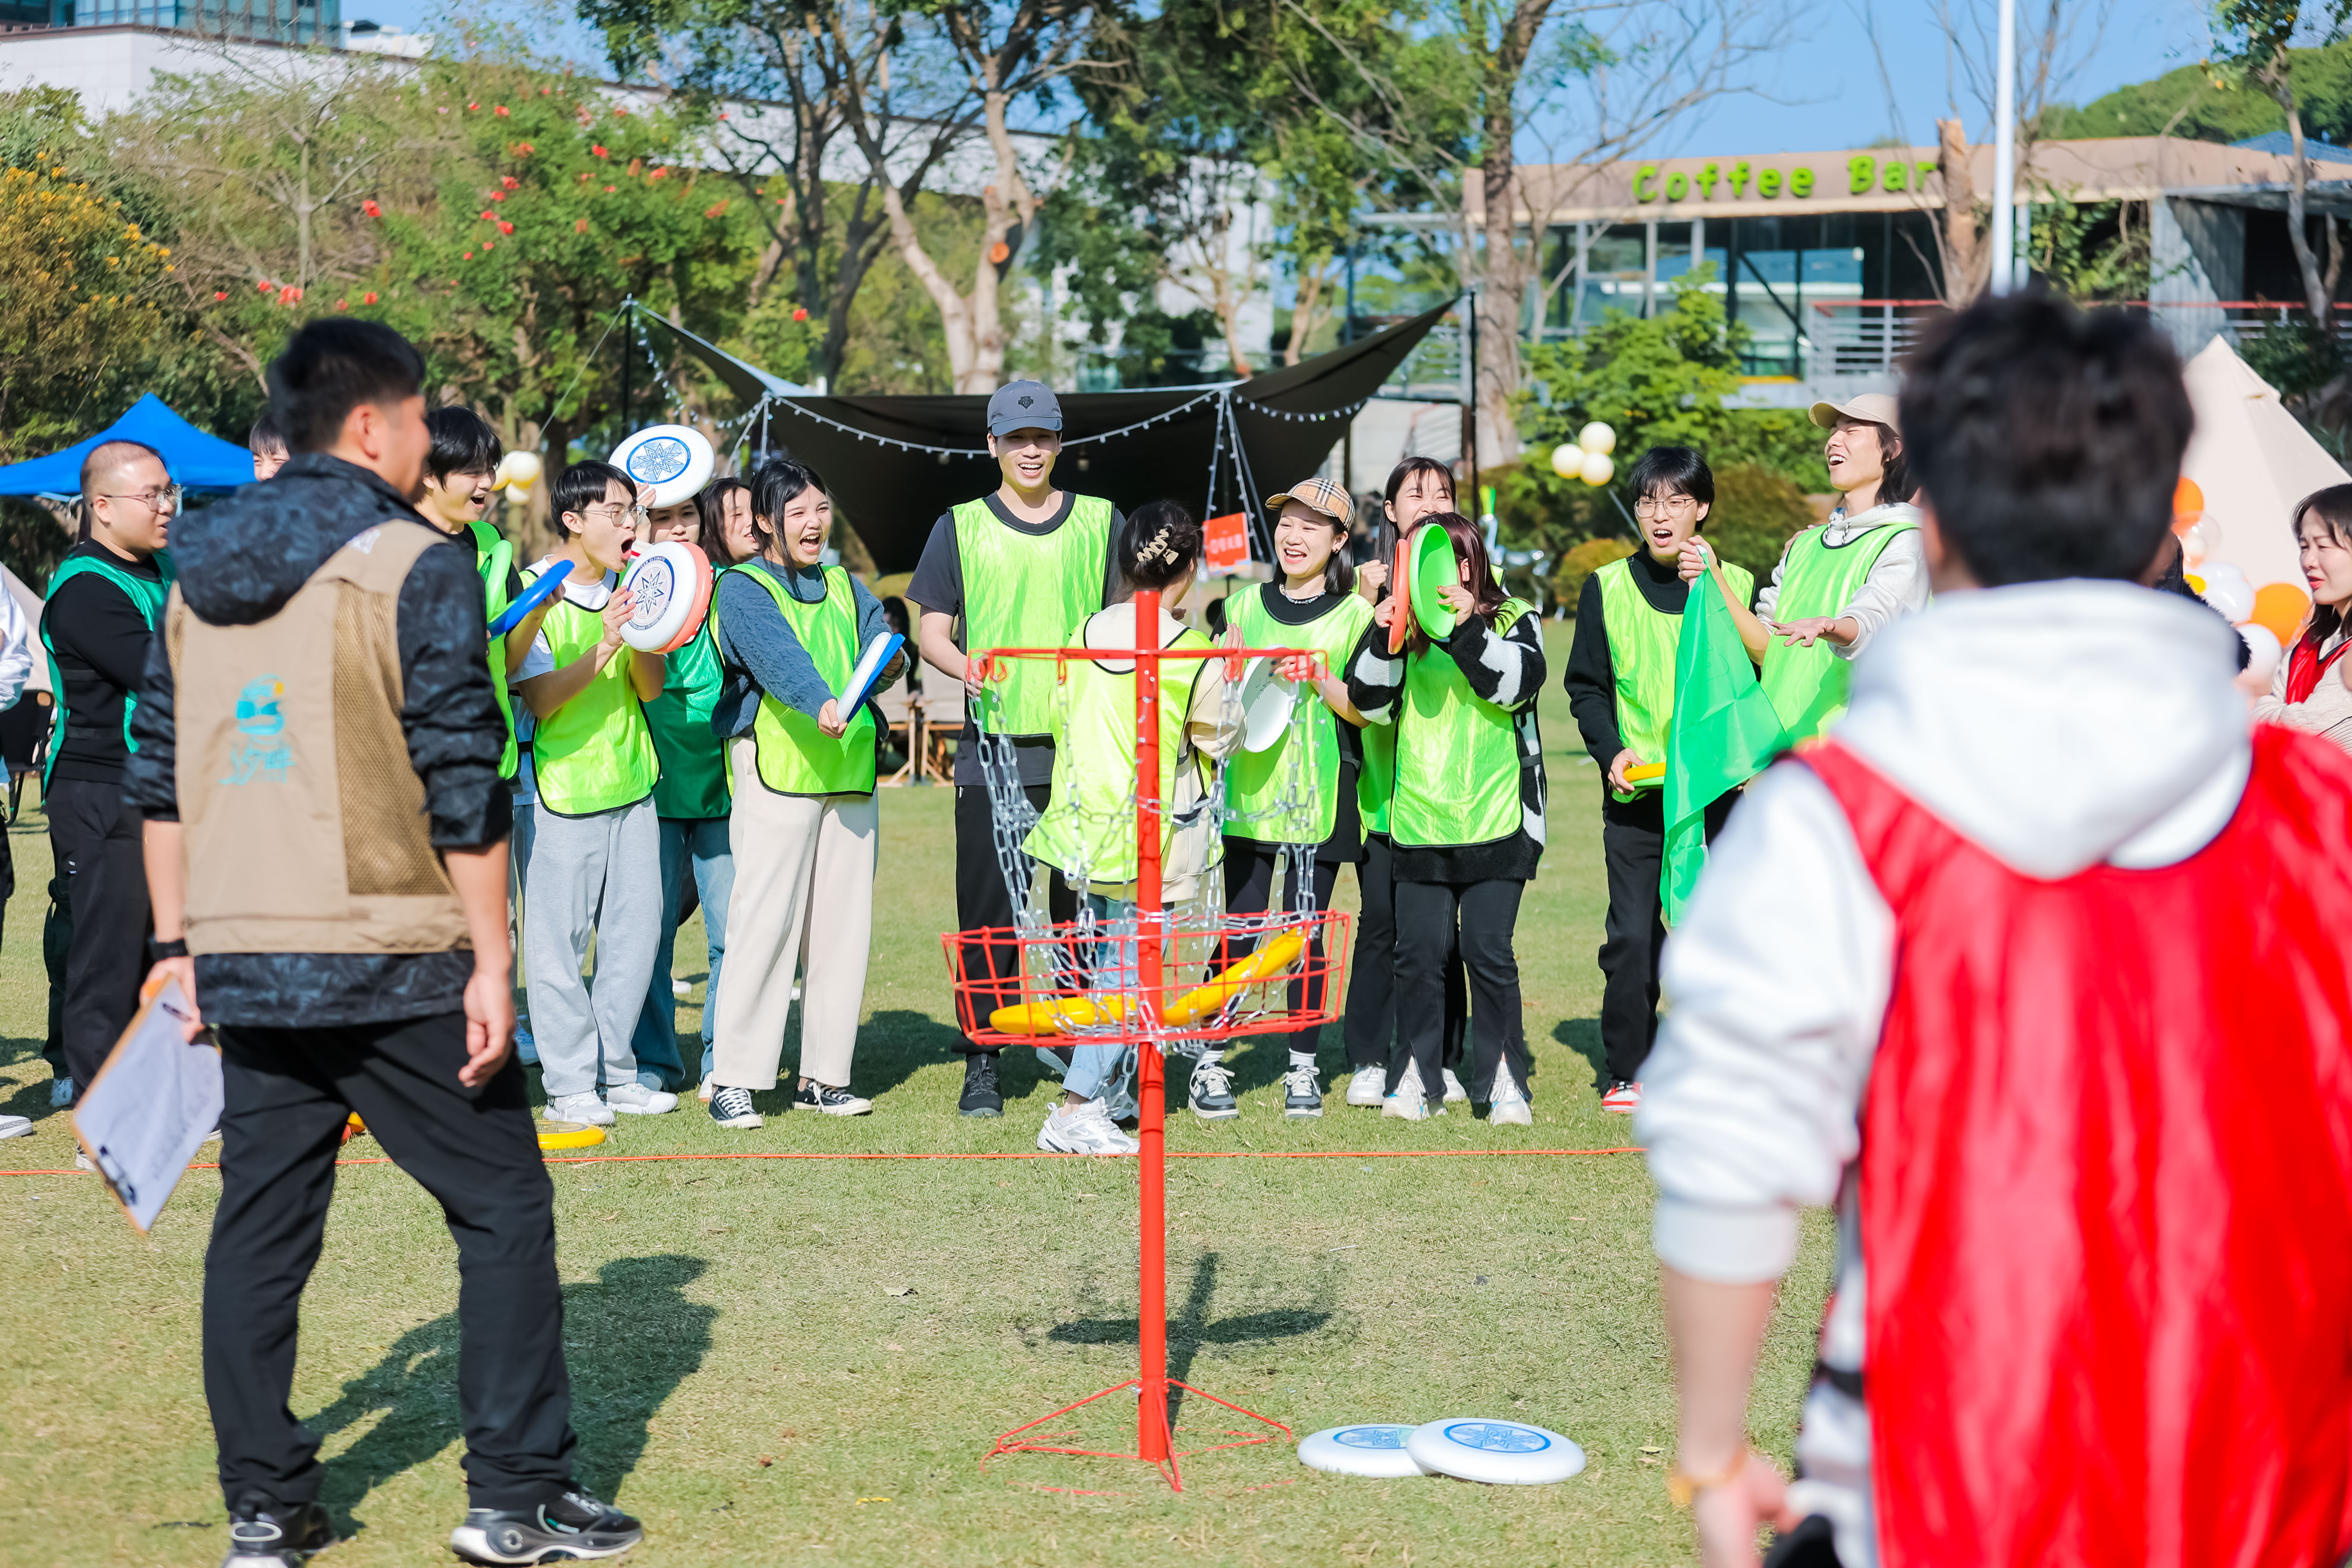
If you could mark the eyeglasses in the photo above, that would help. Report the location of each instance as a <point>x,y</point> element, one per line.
<point>636,512</point>
<point>1647,506</point>
<point>154,500</point>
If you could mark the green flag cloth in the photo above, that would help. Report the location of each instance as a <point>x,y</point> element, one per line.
<point>1725,732</point>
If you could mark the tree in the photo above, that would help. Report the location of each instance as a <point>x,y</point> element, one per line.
<point>2251,40</point>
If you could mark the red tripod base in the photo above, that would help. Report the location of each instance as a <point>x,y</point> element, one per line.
<point>1168,1454</point>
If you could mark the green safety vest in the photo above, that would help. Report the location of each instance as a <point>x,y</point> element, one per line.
<point>1257,782</point>
<point>596,753</point>
<point>1643,646</point>
<point>493,558</point>
<point>1376,780</point>
<point>1808,685</point>
<point>146,597</point>
<point>693,763</point>
<point>1089,828</point>
<point>1023,591</point>
<point>794,756</point>
<point>1457,756</point>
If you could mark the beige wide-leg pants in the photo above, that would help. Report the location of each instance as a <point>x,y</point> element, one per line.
<point>803,900</point>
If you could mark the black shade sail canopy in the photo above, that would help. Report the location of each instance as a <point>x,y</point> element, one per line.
<point>893,465</point>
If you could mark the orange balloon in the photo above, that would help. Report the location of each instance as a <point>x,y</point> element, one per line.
<point>2188,499</point>
<point>2280,606</point>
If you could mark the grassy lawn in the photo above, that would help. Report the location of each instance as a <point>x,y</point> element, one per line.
<point>804,1362</point>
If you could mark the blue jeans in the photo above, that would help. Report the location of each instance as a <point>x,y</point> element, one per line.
<point>699,845</point>
<point>1096,1072</point>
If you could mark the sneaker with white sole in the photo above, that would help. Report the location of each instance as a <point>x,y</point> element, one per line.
<point>831,1102</point>
<point>706,1090</point>
<point>1418,1110</point>
<point>1454,1093</point>
<point>1509,1108</point>
<point>279,1538</point>
<point>1122,1109</point>
<point>572,1527</point>
<point>1212,1092</point>
<point>16,1126</point>
<point>1624,1097</point>
<point>732,1107</point>
<point>1407,1091</point>
<point>681,989</point>
<point>1367,1086</point>
<point>1084,1130</point>
<point>637,1099</point>
<point>1302,1095</point>
<point>583,1106</point>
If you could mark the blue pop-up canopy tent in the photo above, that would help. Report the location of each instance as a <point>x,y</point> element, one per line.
<point>197,461</point>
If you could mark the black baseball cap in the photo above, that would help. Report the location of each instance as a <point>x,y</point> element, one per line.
<point>1023,406</point>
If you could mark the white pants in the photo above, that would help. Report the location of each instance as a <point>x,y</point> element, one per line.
<point>597,875</point>
<point>803,898</point>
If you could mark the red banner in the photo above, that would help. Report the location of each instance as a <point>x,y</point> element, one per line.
<point>1226,546</point>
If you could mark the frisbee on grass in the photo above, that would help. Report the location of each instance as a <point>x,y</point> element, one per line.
<point>541,588</point>
<point>1399,589</point>
<point>671,584</point>
<point>1433,567</point>
<point>1266,702</point>
<point>570,1136</point>
<point>1499,1453</point>
<point>1376,1449</point>
<point>668,463</point>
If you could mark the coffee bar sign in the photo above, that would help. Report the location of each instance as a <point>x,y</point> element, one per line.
<point>1732,179</point>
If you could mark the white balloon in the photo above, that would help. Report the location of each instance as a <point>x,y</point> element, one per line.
<point>2263,645</point>
<point>1566,460</point>
<point>2196,543</point>
<point>2226,571</point>
<point>1597,437</point>
<point>1597,468</point>
<point>2234,598</point>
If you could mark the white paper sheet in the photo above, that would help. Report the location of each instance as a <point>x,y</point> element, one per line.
<point>151,1107</point>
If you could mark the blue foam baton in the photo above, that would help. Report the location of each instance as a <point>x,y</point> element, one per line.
<point>530,598</point>
<point>876,658</point>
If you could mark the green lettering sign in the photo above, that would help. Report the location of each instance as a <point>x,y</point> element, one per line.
<point>1647,175</point>
<point>1768,183</point>
<point>1801,182</point>
<point>1894,178</point>
<point>1740,178</point>
<point>1677,185</point>
<point>1707,179</point>
<point>1861,173</point>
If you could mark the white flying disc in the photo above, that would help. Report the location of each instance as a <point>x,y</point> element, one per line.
<point>668,463</point>
<point>1266,702</point>
<point>670,584</point>
<point>1499,1453</point>
<point>1374,1449</point>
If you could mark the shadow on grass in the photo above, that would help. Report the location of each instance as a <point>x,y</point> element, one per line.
<point>631,1338</point>
<point>1582,1035</point>
<point>1189,1328</point>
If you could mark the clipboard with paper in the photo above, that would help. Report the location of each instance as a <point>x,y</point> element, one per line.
<point>152,1106</point>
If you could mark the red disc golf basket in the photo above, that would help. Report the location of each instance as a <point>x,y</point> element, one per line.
<point>1177,978</point>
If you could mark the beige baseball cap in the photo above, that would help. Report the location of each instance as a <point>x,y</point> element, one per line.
<point>1326,495</point>
<point>1874,408</point>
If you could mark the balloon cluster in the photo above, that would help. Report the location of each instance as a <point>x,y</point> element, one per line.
<point>518,471</point>
<point>2268,618</point>
<point>1588,459</point>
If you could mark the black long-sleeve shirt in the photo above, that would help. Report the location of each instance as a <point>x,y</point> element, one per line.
<point>240,563</point>
<point>100,640</point>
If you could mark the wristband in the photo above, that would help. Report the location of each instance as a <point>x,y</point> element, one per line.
<point>1684,1488</point>
<point>175,948</point>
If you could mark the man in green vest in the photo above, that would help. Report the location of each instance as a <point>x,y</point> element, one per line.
<point>98,620</point>
<point>1620,689</point>
<point>1017,568</point>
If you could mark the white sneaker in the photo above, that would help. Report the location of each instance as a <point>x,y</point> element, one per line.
<point>1367,1086</point>
<point>583,1108</point>
<point>637,1099</point>
<point>61,1091</point>
<point>81,1162</point>
<point>1510,1106</point>
<point>708,1090</point>
<point>681,989</point>
<point>1123,1108</point>
<point>1407,1091</point>
<point>14,1126</point>
<point>1412,1110</point>
<point>1087,1130</point>
<point>1454,1092</point>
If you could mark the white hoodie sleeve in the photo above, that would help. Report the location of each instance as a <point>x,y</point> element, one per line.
<point>15,650</point>
<point>1777,983</point>
<point>1895,586</point>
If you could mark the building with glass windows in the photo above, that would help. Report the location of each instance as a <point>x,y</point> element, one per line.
<point>244,21</point>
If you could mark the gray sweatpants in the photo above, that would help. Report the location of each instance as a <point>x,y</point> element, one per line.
<point>598,874</point>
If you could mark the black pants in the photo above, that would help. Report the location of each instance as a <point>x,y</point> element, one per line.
<point>1371,1027</point>
<point>95,838</point>
<point>1813,1544</point>
<point>1249,887</point>
<point>1481,916</point>
<point>1633,850</point>
<point>288,1092</point>
<point>983,901</point>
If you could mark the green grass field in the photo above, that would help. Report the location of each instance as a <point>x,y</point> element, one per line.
<point>804,1361</point>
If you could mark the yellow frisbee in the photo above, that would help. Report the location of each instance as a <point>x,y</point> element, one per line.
<point>570,1136</point>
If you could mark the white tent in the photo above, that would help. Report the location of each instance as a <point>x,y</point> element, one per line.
<point>2253,461</point>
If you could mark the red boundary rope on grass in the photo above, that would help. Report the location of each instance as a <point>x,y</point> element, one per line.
<point>558,1159</point>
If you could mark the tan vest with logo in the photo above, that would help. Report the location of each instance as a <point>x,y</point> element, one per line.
<point>304,824</point>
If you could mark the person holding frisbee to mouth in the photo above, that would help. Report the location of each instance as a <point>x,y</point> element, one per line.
<point>1018,568</point>
<point>1620,689</point>
<point>1311,605</point>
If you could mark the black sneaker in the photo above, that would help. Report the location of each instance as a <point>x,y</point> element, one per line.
<point>981,1095</point>
<point>572,1527</point>
<point>1302,1095</point>
<point>823,1097</point>
<point>279,1538</point>
<point>732,1107</point>
<point>1213,1092</point>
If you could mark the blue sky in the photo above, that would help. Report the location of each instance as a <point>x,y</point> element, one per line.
<point>1820,91</point>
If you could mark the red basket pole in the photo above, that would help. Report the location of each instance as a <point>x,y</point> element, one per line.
<point>1152,1437</point>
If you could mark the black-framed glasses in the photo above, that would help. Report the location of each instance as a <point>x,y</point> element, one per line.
<point>154,500</point>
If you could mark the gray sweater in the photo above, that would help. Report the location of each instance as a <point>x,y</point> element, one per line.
<point>761,653</point>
